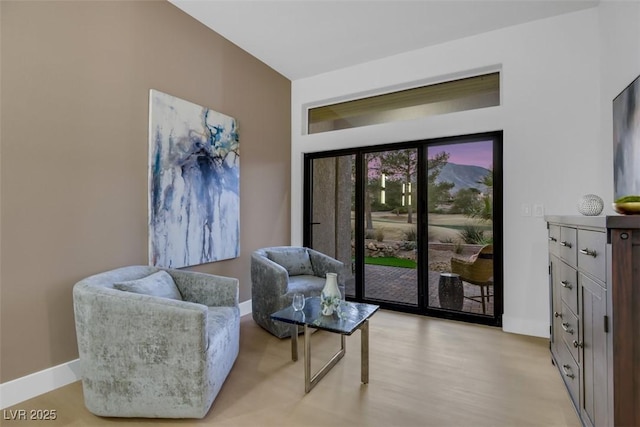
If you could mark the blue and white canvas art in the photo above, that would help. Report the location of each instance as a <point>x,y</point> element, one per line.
<point>626,141</point>
<point>194,183</point>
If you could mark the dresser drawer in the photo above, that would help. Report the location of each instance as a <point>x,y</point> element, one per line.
<point>568,240</point>
<point>554,240</point>
<point>592,253</point>
<point>570,374</point>
<point>568,285</point>
<point>570,332</point>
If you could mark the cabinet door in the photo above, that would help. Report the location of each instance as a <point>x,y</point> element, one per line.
<point>594,402</point>
<point>556,304</point>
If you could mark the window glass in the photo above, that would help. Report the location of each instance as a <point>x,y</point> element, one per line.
<point>458,95</point>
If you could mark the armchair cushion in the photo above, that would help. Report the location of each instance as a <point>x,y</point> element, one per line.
<point>295,260</point>
<point>307,285</point>
<point>158,284</point>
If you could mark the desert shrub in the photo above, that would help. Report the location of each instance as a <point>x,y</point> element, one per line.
<point>379,234</point>
<point>473,235</point>
<point>446,240</point>
<point>369,233</point>
<point>409,245</point>
<point>458,248</point>
<point>411,234</point>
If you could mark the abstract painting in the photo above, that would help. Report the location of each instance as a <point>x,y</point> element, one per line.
<point>194,183</point>
<point>626,144</point>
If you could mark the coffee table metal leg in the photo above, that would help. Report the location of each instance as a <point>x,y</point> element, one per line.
<point>311,381</point>
<point>364,352</point>
<point>307,359</point>
<point>294,343</point>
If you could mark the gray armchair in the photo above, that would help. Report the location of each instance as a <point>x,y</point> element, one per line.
<point>153,344</point>
<point>280,271</point>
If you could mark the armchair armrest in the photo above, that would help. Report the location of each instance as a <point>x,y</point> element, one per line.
<point>267,277</point>
<point>323,264</point>
<point>208,289</point>
<point>145,329</point>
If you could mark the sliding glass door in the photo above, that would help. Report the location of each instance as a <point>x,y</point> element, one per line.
<point>417,224</point>
<point>390,226</point>
<point>461,227</point>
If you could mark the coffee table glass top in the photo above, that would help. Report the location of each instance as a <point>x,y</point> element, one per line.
<point>348,319</point>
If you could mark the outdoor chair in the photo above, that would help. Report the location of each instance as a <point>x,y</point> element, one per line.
<point>478,271</point>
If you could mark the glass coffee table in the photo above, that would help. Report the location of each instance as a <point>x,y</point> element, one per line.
<point>350,317</point>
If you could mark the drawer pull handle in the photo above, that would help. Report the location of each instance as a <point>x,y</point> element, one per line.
<point>586,251</point>
<point>566,284</point>
<point>552,239</point>
<point>566,326</point>
<point>565,369</point>
<point>566,244</point>
<point>556,314</point>
<point>577,344</point>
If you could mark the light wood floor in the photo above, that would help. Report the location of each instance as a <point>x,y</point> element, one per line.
<point>423,372</point>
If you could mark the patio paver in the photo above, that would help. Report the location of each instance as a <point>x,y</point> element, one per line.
<point>399,285</point>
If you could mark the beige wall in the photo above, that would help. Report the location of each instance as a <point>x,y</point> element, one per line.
<point>75,86</point>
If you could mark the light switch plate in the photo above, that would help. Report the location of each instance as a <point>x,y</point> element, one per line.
<point>538,210</point>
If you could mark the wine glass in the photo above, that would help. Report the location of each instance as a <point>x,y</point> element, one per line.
<point>298,302</point>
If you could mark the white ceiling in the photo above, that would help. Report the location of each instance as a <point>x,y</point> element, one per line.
<point>302,38</point>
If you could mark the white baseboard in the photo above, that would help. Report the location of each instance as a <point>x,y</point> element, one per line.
<point>525,327</point>
<point>30,386</point>
<point>245,307</point>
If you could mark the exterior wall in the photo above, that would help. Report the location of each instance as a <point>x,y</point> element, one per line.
<point>332,190</point>
<point>75,92</point>
<point>550,112</point>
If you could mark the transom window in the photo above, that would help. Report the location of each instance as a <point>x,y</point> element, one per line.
<point>441,98</point>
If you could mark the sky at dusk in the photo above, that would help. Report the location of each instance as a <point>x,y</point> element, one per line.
<point>472,153</point>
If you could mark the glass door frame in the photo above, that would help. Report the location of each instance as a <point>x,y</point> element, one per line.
<point>422,146</point>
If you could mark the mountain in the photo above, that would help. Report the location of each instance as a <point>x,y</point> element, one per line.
<point>463,176</point>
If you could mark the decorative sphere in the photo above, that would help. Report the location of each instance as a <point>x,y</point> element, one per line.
<point>590,205</point>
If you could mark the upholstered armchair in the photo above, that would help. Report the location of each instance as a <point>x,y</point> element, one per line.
<point>279,272</point>
<point>155,343</point>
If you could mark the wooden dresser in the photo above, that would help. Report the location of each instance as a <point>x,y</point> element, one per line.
<point>594,268</point>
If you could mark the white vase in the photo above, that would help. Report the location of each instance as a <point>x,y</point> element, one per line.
<point>330,294</point>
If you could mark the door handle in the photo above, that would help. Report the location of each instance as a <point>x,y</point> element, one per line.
<point>567,327</point>
<point>565,370</point>
<point>566,284</point>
